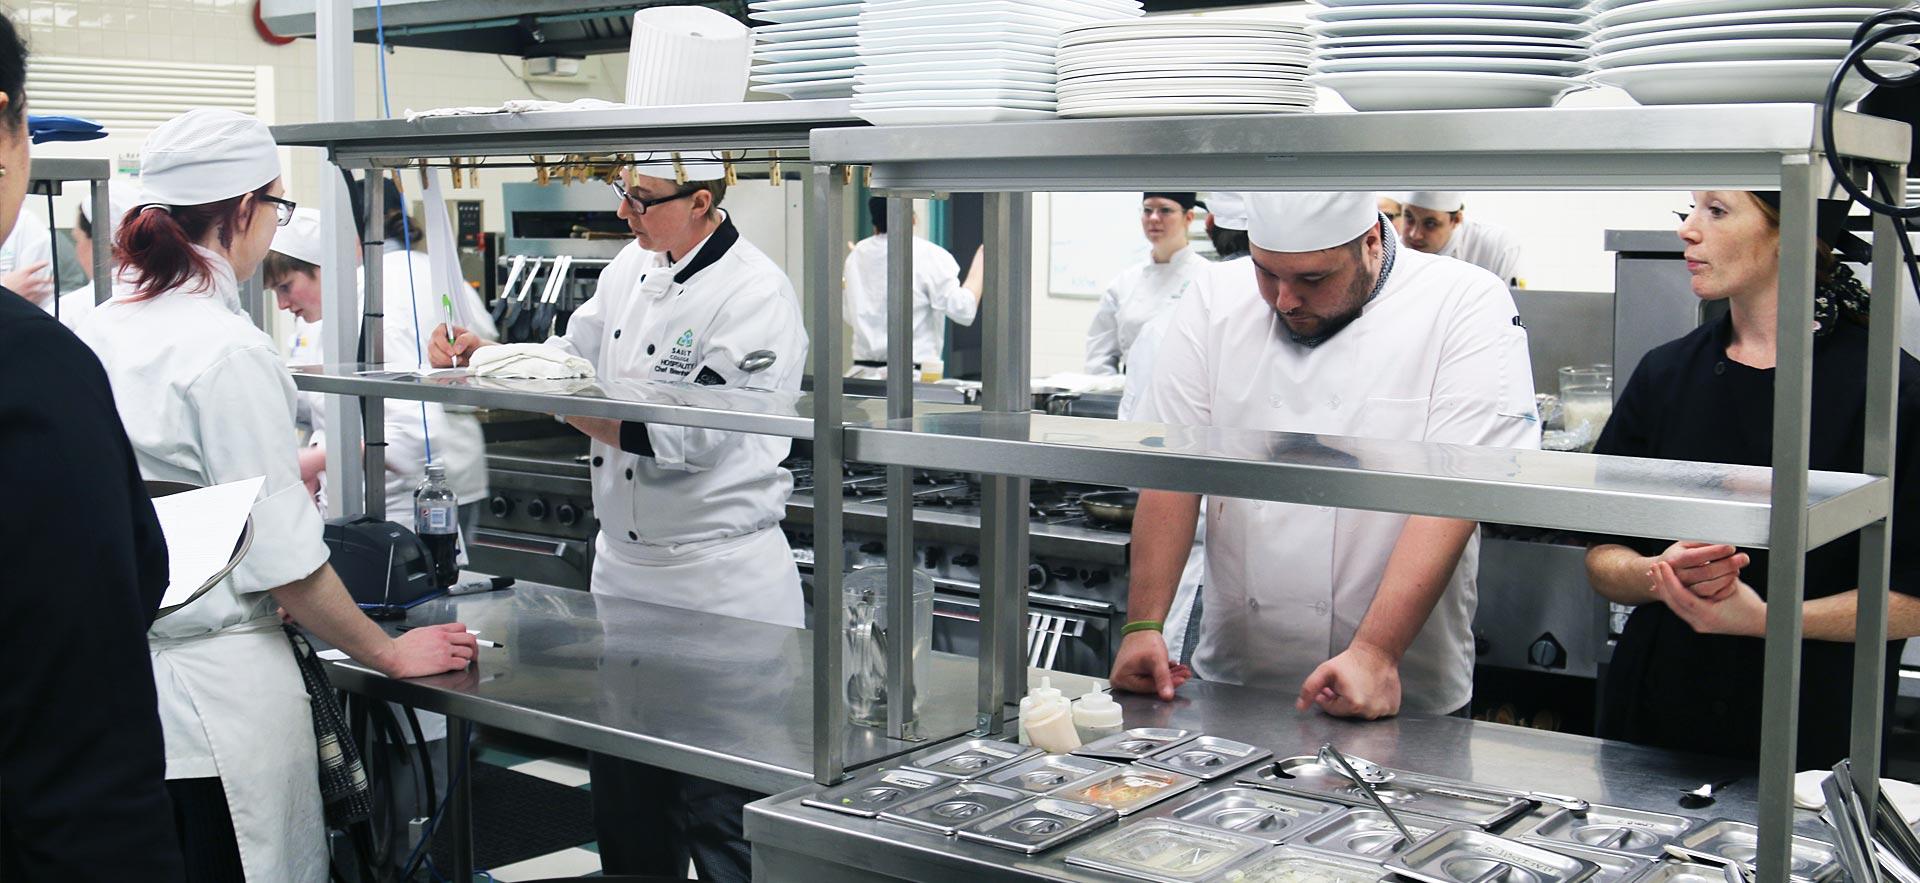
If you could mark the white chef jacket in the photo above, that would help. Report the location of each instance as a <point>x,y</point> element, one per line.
<point>1489,246</point>
<point>205,400</point>
<point>697,524</point>
<point>937,295</point>
<point>27,245</point>
<point>75,305</point>
<point>1132,299</point>
<point>455,434</point>
<point>1437,356</point>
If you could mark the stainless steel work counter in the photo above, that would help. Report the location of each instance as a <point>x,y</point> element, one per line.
<point>722,698</point>
<point>792,842</point>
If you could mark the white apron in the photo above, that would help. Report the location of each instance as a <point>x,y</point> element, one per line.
<point>748,577</point>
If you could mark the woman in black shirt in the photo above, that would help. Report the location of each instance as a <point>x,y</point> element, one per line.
<point>1687,673</point>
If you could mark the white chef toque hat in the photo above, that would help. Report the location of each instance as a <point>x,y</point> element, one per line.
<point>1229,209</point>
<point>1437,200</point>
<point>205,156</point>
<point>1299,222</point>
<point>300,238</point>
<point>682,166</point>
<point>122,195</point>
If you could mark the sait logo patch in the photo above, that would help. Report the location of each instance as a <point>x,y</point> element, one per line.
<point>686,338</point>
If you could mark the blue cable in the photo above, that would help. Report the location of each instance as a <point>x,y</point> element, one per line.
<point>406,229</point>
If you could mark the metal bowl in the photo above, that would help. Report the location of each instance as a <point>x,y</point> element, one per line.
<point>158,489</point>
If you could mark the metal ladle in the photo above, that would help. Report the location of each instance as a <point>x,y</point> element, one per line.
<point>1329,752</point>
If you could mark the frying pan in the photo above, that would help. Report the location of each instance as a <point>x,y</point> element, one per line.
<point>1110,507</point>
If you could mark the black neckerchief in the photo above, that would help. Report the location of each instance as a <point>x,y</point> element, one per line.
<point>723,238</point>
<point>1389,247</point>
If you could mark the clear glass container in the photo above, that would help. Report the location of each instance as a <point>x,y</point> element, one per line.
<point>866,642</point>
<point>1586,401</point>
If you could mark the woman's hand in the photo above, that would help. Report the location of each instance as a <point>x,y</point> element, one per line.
<point>1740,612</point>
<point>35,283</point>
<point>444,354</point>
<point>1709,570</point>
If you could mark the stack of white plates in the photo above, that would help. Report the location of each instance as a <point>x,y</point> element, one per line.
<point>1437,55</point>
<point>966,61</point>
<point>1721,51</point>
<point>804,48</point>
<point>1158,67</point>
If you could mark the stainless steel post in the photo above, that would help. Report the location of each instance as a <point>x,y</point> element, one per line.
<point>825,235</point>
<point>346,473</point>
<point>1876,539</point>
<point>1007,354</point>
<point>900,560</point>
<point>1787,534</point>
<point>373,411</point>
<point>103,221</point>
<point>253,299</point>
<point>458,821</point>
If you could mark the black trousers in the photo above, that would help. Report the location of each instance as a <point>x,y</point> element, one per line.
<point>650,821</point>
<point>205,826</point>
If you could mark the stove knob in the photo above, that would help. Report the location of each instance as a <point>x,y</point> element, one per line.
<point>874,548</point>
<point>567,514</point>
<point>932,556</point>
<point>536,508</point>
<point>501,507</point>
<point>1097,578</point>
<point>1036,576</point>
<point>966,559</point>
<point>1546,652</point>
<point>1063,573</point>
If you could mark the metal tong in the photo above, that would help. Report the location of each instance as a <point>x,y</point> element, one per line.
<point>1375,774</point>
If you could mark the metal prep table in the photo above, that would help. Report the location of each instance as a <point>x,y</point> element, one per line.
<point>793,843</point>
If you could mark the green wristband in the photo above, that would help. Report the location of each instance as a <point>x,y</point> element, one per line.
<point>1142,625</point>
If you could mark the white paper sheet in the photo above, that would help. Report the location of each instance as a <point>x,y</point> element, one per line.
<point>201,527</point>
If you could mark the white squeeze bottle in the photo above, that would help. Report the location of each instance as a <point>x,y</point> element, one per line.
<point>1096,716</point>
<point>1037,700</point>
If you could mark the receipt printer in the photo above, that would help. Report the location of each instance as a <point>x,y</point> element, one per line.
<point>385,566</point>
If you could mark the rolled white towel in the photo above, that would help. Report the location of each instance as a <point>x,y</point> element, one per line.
<point>1807,794</point>
<point>533,361</point>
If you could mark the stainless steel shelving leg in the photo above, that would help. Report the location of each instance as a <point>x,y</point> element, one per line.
<point>373,328</point>
<point>458,822</point>
<point>1003,511</point>
<point>1876,539</point>
<point>900,560</point>
<point>1787,537</point>
<point>333,31</point>
<point>825,235</point>
<point>101,214</point>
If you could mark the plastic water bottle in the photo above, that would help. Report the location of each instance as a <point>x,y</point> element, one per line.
<point>436,518</point>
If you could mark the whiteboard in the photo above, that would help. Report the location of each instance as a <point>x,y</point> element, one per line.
<point>1091,237</point>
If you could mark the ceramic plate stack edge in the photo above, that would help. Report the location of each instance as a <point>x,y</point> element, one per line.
<point>966,61</point>
<point>1166,67</point>
<point>1383,55</point>
<point>804,48</point>
<point>1735,51</point>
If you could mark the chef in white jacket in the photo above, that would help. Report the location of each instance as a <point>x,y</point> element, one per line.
<point>1146,289</point>
<point>292,271</point>
<point>1364,614</point>
<point>1436,222</point>
<point>938,295</point>
<point>206,401</point>
<point>122,194</point>
<point>689,517</point>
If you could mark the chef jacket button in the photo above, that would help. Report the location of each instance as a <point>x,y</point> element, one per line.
<point>1719,368</point>
<point>616,334</point>
<point>633,536</point>
<point>629,474</point>
<point>599,460</point>
<point>649,349</point>
<point>1253,603</point>
<point>1273,400</point>
<point>1319,607</point>
<point>1334,402</point>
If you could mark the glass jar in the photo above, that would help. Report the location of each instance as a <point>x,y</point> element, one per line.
<point>1586,401</point>
<point>866,641</point>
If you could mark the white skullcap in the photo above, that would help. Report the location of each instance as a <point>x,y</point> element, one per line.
<point>692,165</point>
<point>1437,200</point>
<point>300,238</point>
<point>207,155</point>
<point>122,195</point>
<point>1229,209</point>
<point>1299,222</point>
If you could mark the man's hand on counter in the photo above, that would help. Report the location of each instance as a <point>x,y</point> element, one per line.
<point>1363,682</point>
<point>428,650</point>
<point>1141,666</point>
<point>442,353</point>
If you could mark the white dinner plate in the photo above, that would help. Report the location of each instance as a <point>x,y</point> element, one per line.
<point>800,76</point>
<point>873,95</point>
<point>1430,26</point>
<point>783,55</point>
<point>1748,50</point>
<point>932,116</point>
<point>1445,90</point>
<point>1082,96</point>
<point>849,12</point>
<point>1187,54</point>
<point>846,79</point>
<point>870,103</point>
<point>1174,109</point>
<point>1833,30</point>
<point>1468,49</point>
<point>969,16</point>
<point>1739,82</point>
<point>1850,16</point>
<point>1104,8</point>
<point>1664,10</point>
<point>982,39</point>
<point>1122,38</point>
<point>830,63</point>
<point>982,29</point>
<point>1013,79</point>
<point>959,63</point>
<point>1214,77</point>
<point>809,90</point>
<point>792,5</point>
<point>1564,4</point>
<point>1256,24</point>
<point>817,28</point>
<point>1411,40</point>
<point>1449,10</point>
<point>1453,63</point>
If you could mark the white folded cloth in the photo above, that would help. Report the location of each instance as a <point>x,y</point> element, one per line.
<point>1807,794</point>
<point>517,105</point>
<point>533,361</point>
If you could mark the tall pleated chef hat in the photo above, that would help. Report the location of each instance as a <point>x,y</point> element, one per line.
<point>207,155</point>
<point>1437,200</point>
<point>1229,209</point>
<point>300,238</point>
<point>682,166</point>
<point>1297,222</point>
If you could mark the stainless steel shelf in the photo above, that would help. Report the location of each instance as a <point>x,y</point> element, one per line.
<point>1644,148</point>
<point>1615,495</point>
<point>747,125</point>
<point>59,168</point>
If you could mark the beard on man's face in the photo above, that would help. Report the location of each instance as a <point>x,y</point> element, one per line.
<point>1311,329</point>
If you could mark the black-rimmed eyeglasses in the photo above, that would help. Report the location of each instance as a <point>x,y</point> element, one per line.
<point>640,205</point>
<point>283,208</point>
